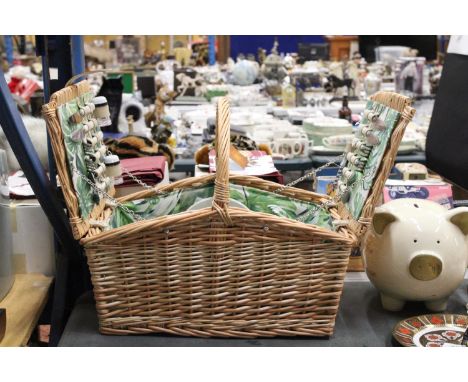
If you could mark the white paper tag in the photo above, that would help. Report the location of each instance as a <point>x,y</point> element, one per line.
<point>53,73</point>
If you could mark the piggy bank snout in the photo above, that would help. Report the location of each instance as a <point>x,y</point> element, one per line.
<point>425,266</point>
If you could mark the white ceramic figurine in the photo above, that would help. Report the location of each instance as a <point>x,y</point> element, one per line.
<point>416,250</point>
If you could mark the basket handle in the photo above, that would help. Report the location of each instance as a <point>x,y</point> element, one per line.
<point>222,143</point>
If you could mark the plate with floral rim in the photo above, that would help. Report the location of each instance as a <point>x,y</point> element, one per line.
<point>431,330</point>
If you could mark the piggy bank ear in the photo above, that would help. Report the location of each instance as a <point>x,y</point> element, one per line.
<point>459,217</point>
<point>381,220</point>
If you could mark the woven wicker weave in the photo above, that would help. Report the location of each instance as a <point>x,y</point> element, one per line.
<point>222,271</point>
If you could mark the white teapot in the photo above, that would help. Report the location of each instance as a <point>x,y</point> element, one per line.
<point>416,250</point>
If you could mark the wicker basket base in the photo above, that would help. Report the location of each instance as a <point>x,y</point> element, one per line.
<point>230,328</point>
<point>240,290</point>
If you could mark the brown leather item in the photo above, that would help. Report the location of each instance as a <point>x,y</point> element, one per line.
<point>2,323</point>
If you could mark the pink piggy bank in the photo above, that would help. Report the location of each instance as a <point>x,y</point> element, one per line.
<point>416,250</point>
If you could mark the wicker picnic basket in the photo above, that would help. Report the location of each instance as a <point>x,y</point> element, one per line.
<point>219,271</point>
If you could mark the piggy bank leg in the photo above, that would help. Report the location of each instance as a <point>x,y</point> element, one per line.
<point>391,303</point>
<point>437,305</point>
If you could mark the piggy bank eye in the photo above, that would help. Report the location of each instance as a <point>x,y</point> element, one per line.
<point>415,240</point>
<point>438,241</point>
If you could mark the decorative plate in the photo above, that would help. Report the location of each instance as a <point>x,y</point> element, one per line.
<point>431,330</point>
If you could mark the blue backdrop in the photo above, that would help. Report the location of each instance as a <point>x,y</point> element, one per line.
<point>250,44</point>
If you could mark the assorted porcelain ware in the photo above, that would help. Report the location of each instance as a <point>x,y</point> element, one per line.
<point>318,128</point>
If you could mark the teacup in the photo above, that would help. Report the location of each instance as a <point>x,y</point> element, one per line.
<point>290,148</point>
<point>294,134</point>
<point>287,148</point>
<point>338,141</point>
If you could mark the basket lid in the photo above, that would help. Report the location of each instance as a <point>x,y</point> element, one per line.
<point>367,165</point>
<point>66,128</point>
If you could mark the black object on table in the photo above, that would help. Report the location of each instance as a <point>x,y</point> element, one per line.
<point>361,321</point>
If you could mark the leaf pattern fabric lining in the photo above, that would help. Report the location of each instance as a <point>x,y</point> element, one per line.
<point>254,199</point>
<point>75,153</point>
<point>360,188</point>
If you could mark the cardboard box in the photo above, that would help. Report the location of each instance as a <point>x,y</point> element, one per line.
<point>436,190</point>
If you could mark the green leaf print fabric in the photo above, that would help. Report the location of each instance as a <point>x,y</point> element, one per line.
<point>253,198</point>
<point>364,182</point>
<point>75,152</point>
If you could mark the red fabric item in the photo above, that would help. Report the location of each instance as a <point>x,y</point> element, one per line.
<point>149,170</point>
<point>24,88</point>
<point>14,84</point>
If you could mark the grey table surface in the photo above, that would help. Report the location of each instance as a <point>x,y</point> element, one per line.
<point>361,321</point>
